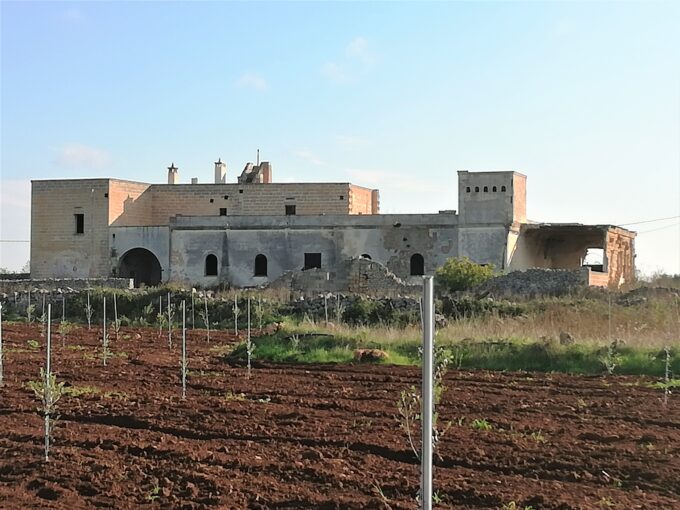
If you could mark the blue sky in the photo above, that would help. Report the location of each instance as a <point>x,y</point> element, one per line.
<point>582,97</point>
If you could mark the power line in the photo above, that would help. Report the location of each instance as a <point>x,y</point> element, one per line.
<point>648,221</point>
<point>660,228</point>
<point>13,241</point>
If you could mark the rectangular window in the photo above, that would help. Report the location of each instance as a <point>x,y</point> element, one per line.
<point>80,223</point>
<point>312,260</point>
<point>290,210</point>
<point>223,211</point>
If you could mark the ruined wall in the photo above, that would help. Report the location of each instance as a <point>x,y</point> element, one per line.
<point>620,256</point>
<point>57,251</point>
<point>9,287</point>
<point>483,245</point>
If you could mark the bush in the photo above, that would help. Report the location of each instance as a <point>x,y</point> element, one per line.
<point>462,274</point>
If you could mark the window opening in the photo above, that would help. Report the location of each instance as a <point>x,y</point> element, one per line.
<point>80,223</point>
<point>312,260</point>
<point>417,265</point>
<point>260,265</point>
<point>211,265</point>
<point>290,210</point>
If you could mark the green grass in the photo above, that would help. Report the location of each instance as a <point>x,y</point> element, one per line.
<point>300,344</point>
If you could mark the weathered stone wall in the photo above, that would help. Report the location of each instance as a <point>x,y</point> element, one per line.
<point>536,283</point>
<point>491,197</point>
<point>620,256</point>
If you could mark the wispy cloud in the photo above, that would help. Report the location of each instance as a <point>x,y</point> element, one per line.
<point>252,81</point>
<point>357,60</point>
<point>309,157</point>
<point>358,48</point>
<point>390,181</point>
<point>76,155</point>
<point>350,141</point>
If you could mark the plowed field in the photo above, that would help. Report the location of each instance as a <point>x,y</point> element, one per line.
<point>319,436</point>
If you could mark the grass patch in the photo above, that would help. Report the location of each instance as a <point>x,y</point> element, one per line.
<point>302,343</point>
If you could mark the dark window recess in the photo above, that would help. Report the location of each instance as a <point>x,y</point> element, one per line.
<point>290,210</point>
<point>366,256</point>
<point>212,200</point>
<point>260,265</point>
<point>494,189</point>
<point>312,260</point>
<point>226,197</point>
<point>106,195</point>
<point>417,265</point>
<point>342,197</point>
<point>476,189</point>
<point>240,191</point>
<point>467,189</point>
<point>211,265</point>
<point>223,211</point>
<point>502,188</point>
<point>80,223</point>
<point>486,189</point>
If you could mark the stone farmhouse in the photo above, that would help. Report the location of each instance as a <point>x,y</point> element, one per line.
<point>255,232</point>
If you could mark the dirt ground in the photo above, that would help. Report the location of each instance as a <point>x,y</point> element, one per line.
<point>319,436</point>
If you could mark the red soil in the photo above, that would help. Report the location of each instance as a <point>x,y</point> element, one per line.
<point>313,436</point>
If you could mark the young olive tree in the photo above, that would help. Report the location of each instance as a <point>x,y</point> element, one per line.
<point>106,353</point>
<point>236,313</point>
<point>88,311</point>
<point>204,315</point>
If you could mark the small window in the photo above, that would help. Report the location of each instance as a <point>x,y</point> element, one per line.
<point>476,189</point>
<point>502,188</point>
<point>240,191</point>
<point>80,223</point>
<point>494,189</point>
<point>290,210</point>
<point>226,197</point>
<point>342,197</point>
<point>417,265</point>
<point>467,189</point>
<point>212,200</point>
<point>486,189</point>
<point>366,256</point>
<point>223,211</point>
<point>106,195</point>
<point>260,265</point>
<point>211,265</point>
<point>312,260</point>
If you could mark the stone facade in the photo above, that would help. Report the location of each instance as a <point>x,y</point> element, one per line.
<point>254,232</point>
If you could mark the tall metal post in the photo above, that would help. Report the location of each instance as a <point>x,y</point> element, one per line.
<point>184,350</point>
<point>48,377</point>
<point>1,376</point>
<point>427,400</point>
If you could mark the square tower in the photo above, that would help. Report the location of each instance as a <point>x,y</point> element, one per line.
<point>492,197</point>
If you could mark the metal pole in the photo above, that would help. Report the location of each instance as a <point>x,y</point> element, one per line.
<point>105,340</point>
<point>249,348</point>
<point>193,301</point>
<point>169,324</point>
<point>47,389</point>
<point>184,350</point>
<point>427,401</point>
<point>236,314</point>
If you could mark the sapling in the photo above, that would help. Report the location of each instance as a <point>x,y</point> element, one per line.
<point>259,311</point>
<point>43,318</point>
<point>1,373</point>
<point>249,344</point>
<point>171,314</point>
<point>160,317</point>
<point>193,302</point>
<point>666,379</point>
<point>88,311</point>
<point>236,314</point>
<point>106,354</point>
<point>63,307</point>
<point>64,329</point>
<point>47,389</point>
<point>325,308</point>
<point>30,307</point>
<point>184,350</point>
<point>206,319</point>
<point>116,322</point>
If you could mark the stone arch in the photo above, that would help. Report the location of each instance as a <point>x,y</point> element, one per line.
<point>417,265</point>
<point>141,265</point>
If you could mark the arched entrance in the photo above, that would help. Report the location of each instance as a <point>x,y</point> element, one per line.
<point>141,265</point>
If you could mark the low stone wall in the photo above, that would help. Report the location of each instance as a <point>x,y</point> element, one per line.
<point>536,283</point>
<point>10,286</point>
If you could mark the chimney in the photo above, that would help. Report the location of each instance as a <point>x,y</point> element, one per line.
<point>220,172</point>
<point>194,180</point>
<point>173,174</point>
<point>266,170</point>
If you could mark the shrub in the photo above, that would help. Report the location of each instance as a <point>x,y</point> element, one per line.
<point>460,273</point>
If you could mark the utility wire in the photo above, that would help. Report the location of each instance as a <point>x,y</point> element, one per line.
<point>13,241</point>
<point>649,221</point>
<point>660,228</point>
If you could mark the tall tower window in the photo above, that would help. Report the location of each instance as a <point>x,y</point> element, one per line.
<point>80,223</point>
<point>211,265</point>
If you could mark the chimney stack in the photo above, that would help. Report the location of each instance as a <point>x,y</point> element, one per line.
<point>266,172</point>
<point>173,174</point>
<point>220,172</point>
<point>194,180</point>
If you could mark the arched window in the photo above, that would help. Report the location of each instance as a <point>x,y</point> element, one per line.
<point>417,265</point>
<point>365,256</point>
<point>502,188</point>
<point>486,189</point>
<point>260,265</point>
<point>494,189</point>
<point>467,189</point>
<point>476,189</point>
<point>211,265</point>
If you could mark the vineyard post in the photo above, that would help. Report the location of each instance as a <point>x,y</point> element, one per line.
<point>116,325</point>
<point>249,346</point>
<point>184,350</point>
<point>193,301</point>
<point>427,402</point>
<point>236,313</point>
<point>1,378</point>
<point>28,308</point>
<point>88,311</point>
<point>325,307</point>
<point>207,318</point>
<point>105,340</point>
<point>63,308</point>
<point>48,378</point>
<point>169,323</point>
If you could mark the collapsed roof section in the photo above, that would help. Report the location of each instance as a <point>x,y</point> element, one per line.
<point>566,245</point>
